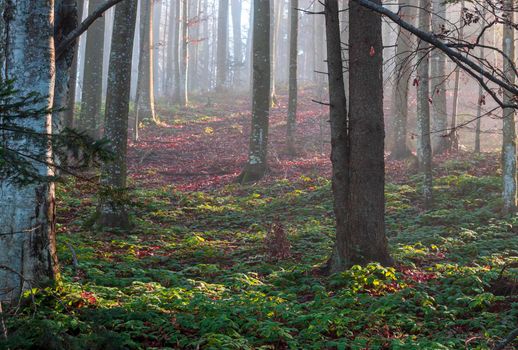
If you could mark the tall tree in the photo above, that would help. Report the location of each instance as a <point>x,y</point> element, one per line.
<point>27,238</point>
<point>403,71</point>
<point>438,82</point>
<point>454,135</point>
<point>184,55</point>
<point>258,149</point>
<point>424,145</point>
<point>358,142</point>
<point>276,9</point>
<point>145,90</point>
<point>71,98</point>
<point>222,53</point>
<point>176,51</point>
<point>509,127</point>
<point>112,207</point>
<point>238,43</point>
<point>3,44</point>
<point>170,56</point>
<point>65,21</point>
<point>91,99</point>
<point>293,85</point>
<point>157,8</point>
<point>481,98</point>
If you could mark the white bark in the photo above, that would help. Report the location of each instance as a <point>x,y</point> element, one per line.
<point>437,81</point>
<point>424,147</point>
<point>509,128</point>
<point>27,241</point>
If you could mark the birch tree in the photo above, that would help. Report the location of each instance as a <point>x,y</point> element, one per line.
<point>438,82</point>
<point>184,54</point>
<point>424,146</point>
<point>508,126</point>
<point>27,237</point>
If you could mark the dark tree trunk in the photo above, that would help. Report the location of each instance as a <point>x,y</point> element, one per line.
<point>65,21</point>
<point>357,143</point>
<point>257,154</point>
<point>71,98</point>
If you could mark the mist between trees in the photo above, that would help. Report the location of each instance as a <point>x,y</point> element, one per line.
<point>105,94</point>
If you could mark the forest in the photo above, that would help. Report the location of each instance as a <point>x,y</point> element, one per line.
<point>258,174</point>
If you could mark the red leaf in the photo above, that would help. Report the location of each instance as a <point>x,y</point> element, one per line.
<point>372,52</point>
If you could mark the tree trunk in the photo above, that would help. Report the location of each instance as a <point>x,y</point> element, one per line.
<point>205,76</point>
<point>194,36</point>
<point>403,71</point>
<point>293,89</point>
<point>508,127</point>
<point>169,80</point>
<point>222,54</point>
<point>454,135</point>
<point>339,136</point>
<point>27,238</point>
<point>112,208</point>
<point>176,51</point>
<point>91,99</point>
<point>156,46</point>
<point>3,41</point>
<point>65,21</point>
<point>424,147</point>
<point>238,43</point>
<point>257,154</point>
<point>108,29</point>
<point>249,49</point>
<point>71,98</point>
<point>480,89</point>
<point>145,90</point>
<point>358,143</point>
<point>184,99</point>
<point>275,23</point>
<point>438,83</point>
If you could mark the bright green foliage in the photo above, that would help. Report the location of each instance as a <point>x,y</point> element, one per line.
<point>194,274</point>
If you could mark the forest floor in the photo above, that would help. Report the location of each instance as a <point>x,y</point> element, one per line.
<point>207,265</point>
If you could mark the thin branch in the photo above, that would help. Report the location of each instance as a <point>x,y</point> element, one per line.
<point>474,69</point>
<point>83,27</point>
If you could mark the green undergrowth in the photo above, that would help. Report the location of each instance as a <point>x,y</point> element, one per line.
<point>195,273</point>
